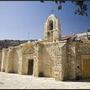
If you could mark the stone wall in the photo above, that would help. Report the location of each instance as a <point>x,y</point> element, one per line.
<point>71,60</point>
<point>15,59</point>
<point>54,56</point>
<point>83,50</point>
<point>28,52</point>
<point>75,50</point>
<point>12,61</point>
<point>59,60</point>
<point>4,59</point>
<point>10,57</point>
<point>39,57</point>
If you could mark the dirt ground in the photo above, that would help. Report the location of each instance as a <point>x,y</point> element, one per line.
<point>16,81</point>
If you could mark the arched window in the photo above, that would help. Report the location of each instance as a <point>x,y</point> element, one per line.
<point>50,25</point>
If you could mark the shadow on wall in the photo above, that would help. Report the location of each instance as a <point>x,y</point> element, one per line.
<point>80,80</point>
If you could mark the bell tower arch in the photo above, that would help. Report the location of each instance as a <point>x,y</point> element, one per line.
<point>52,29</point>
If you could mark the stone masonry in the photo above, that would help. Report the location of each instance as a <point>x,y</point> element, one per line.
<point>54,56</point>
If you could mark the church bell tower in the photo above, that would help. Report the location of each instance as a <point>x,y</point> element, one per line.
<point>52,29</point>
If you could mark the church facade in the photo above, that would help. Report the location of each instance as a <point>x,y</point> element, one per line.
<point>62,58</point>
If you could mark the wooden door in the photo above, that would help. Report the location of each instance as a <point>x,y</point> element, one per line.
<point>30,67</point>
<point>86,68</point>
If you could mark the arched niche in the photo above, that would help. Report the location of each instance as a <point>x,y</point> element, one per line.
<point>12,61</point>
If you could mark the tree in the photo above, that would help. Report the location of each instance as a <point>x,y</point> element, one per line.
<point>81,6</point>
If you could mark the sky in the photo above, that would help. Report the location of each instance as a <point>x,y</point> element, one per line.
<point>24,20</point>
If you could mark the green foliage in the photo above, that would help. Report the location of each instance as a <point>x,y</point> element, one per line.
<point>81,7</point>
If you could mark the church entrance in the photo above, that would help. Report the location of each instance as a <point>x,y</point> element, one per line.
<point>30,66</point>
<point>86,68</point>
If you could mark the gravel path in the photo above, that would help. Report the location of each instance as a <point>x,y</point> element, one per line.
<point>16,81</point>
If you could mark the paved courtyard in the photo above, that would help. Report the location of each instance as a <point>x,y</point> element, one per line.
<point>16,81</point>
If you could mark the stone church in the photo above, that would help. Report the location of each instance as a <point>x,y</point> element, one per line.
<point>55,56</point>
